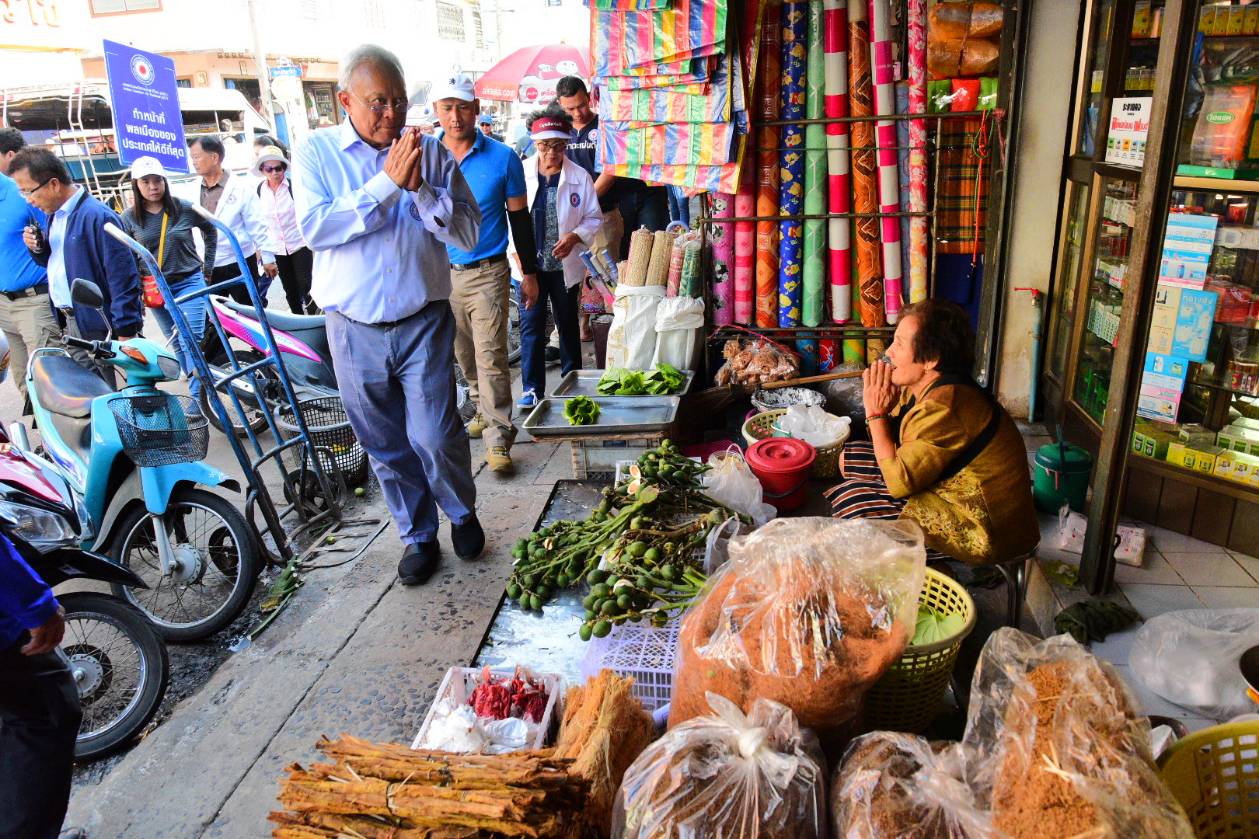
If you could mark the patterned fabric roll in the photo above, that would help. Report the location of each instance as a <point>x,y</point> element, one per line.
<point>918,235</point>
<point>827,350</point>
<point>885,135</point>
<point>813,302</point>
<point>839,186</point>
<point>690,286</point>
<point>807,348</point>
<point>675,268</point>
<point>770,85</point>
<point>723,260</point>
<point>864,174</point>
<point>791,162</point>
<point>745,255</point>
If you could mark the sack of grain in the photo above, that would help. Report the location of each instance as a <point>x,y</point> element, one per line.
<point>809,612</point>
<point>1061,747</point>
<point>899,786</point>
<point>726,776</point>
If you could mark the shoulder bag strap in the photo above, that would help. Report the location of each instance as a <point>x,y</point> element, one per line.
<point>976,446</point>
<point>161,242</point>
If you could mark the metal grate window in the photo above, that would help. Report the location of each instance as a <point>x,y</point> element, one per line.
<point>450,21</point>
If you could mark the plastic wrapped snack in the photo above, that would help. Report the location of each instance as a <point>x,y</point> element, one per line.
<point>755,363</point>
<point>898,786</point>
<point>726,776</point>
<point>1061,749</point>
<point>809,612</point>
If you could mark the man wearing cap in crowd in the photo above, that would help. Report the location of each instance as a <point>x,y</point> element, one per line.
<point>292,256</point>
<point>481,276</point>
<point>486,122</point>
<point>378,204</point>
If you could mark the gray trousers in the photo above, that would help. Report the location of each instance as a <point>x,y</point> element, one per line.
<point>28,323</point>
<point>398,386</point>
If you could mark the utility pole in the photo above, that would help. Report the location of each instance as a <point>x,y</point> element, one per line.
<point>260,62</point>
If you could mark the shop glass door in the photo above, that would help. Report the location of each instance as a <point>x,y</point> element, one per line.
<point>1076,221</point>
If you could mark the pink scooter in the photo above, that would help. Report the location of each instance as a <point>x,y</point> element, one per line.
<point>303,343</point>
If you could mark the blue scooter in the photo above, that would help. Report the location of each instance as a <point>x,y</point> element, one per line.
<point>135,458</point>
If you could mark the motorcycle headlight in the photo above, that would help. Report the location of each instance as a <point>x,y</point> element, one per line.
<point>36,525</point>
<point>169,367</point>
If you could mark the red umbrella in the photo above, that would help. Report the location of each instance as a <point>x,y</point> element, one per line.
<point>529,74</point>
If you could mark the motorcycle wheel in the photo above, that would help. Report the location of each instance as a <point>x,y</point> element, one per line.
<point>463,401</point>
<point>120,668</point>
<point>513,331</point>
<point>254,415</point>
<point>217,558</point>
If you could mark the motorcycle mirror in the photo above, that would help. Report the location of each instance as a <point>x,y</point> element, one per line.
<point>86,293</point>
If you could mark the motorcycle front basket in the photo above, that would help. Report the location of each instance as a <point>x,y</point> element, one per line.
<point>161,429</point>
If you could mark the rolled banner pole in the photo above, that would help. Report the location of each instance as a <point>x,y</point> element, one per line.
<point>813,300</point>
<point>791,162</point>
<point>745,253</point>
<point>918,228</point>
<point>839,186</point>
<point>867,265</point>
<point>723,260</point>
<point>885,138</point>
<point>769,86</point>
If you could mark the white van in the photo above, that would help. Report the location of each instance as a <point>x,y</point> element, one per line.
<point>75,121</point>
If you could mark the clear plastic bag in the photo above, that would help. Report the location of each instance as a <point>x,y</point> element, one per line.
<point>809,612</point>
<point>1060,746</point>
<point>898,786</point>
<point>726,776</point>
<point>732,483</point>
<point>755,363</point>
<point>814,426</point>
<point>1190,658</point>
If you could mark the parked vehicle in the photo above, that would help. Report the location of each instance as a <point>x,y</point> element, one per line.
<point>136,459</point>
<point>118,662</point>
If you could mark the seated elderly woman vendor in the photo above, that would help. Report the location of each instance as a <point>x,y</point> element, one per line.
<point>942,451</point>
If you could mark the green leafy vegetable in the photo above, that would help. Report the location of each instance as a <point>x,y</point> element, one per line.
<point>662,381</point>
<point>933,627</point>
<point>581,410</point>
<point>1093,620</point>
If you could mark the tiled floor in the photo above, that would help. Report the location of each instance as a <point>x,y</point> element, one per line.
<point>1178,572</point>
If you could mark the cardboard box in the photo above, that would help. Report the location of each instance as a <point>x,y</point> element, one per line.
<point>1151,441</point>
<point>1196,435</point>
<point>1197,459</point>
<point>1236,466</point>
<point>1238,438</point>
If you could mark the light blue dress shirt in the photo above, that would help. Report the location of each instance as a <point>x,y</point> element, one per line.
<point>58,282</point>
<point>380,254</point>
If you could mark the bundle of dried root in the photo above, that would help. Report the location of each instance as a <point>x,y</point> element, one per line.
<point>605,728</point>
<point>382,791</point>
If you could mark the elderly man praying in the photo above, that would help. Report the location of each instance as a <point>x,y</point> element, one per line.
<point>378,205</point>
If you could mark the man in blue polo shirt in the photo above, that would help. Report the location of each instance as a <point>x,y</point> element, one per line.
<point>481,278</point>
<point>26,316</point>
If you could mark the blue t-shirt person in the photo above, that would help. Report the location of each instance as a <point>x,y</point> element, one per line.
<point>18,271</point>
<point>494,173</point>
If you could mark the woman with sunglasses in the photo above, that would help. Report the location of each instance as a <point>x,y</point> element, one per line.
<point>164,224</point>
<point>292,255</point>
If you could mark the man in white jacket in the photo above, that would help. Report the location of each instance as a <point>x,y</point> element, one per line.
<point>233,201</point>
<point>566,217</point>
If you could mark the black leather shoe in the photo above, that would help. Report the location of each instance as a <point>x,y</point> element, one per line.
<point>419,563</point>
<point>468,538</point>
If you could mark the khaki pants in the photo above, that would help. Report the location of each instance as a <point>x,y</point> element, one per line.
<point>28,323</point>
<point>479,299</point>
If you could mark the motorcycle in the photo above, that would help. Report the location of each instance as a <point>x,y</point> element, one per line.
<point>119,665</point>
<point>303,343</point>
<point>136,459</point>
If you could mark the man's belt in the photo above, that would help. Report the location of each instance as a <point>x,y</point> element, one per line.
<point>33,291</point>
<point>468,266</point>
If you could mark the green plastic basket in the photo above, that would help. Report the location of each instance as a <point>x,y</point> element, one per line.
<point>908,696</point>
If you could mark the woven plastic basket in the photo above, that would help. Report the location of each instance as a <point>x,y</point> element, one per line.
<point>765,424</point>
<point>908,696</point>
<point>646,653</point>
<point>1214,774</point>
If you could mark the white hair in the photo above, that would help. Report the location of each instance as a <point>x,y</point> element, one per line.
<point>366,54</point>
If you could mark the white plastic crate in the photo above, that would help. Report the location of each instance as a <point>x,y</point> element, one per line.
<point>459,683</point>
<point>596,458</point>
<point>645,652</point>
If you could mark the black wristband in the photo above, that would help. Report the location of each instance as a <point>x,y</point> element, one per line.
<point>522,234</point>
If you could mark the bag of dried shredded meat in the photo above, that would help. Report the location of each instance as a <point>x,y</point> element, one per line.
<point>1061,746</point>
<point>726,776</point>
<point>809,612</point>
<point>898,786</point>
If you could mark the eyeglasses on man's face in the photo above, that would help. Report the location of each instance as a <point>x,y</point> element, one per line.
<point>379,105</point>
<point>27,193</point>
<point>270,170</point>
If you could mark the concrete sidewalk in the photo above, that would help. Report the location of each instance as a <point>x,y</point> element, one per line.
<point>354,652</point>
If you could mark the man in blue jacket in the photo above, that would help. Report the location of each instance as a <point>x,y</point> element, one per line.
<point>39,704</point>
<point>77,246</point>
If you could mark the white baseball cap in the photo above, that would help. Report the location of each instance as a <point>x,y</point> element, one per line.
<point>145,166</point>
<point>458,86</point>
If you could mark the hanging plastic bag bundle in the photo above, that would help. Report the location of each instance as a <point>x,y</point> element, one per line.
<point>632,336</point>
<point>726,776</point>
<point>679,325</point>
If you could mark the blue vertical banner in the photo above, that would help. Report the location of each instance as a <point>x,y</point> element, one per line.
<point>145,101</point>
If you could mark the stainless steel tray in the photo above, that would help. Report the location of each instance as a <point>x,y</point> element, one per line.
<point>617,415</point>
<point>583,382</point>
